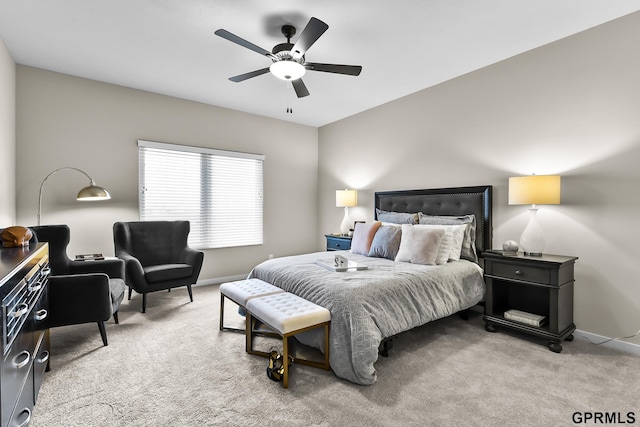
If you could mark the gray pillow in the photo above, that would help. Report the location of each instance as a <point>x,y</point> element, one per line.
<point>386,242</point>
<point>397,217</point>
<point>469,243</point>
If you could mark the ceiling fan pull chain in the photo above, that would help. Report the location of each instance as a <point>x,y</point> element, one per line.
<point>289,87</point>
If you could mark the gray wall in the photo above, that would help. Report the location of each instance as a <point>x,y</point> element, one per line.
<point>7,138</point>
<point>570,108</point>
<point>69,121</point>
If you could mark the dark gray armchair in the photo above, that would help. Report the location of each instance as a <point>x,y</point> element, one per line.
<point>156,256</point>
<point>80,291</point>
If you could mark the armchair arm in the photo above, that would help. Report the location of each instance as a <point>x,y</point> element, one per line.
<point>134,272</point>
<point>194,258</point>
<point>81,298</point>
<point>114,268</point>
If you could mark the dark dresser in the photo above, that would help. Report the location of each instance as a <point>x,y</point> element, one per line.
<point>25,334</point>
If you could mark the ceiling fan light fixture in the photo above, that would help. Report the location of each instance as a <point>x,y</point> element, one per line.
<point>287,69</point>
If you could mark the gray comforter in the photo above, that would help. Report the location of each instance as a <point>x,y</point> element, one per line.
<point>369,305</point>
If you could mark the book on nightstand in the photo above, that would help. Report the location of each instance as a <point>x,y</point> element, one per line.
<point>524,317</point>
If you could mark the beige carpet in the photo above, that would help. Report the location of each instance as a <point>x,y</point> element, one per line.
<point>172,367</point>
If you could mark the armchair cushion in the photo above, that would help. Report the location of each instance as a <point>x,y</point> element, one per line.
<point>161,273</point>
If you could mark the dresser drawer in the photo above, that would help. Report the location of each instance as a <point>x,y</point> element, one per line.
<point>521,272</point>
<point>16,367</point>
<point>21,414</point>
<point>40,362</point>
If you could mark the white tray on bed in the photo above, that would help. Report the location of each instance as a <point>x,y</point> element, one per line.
<point>329,265</point>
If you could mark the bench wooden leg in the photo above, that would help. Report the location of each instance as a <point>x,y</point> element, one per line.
<point>326,347</point>
<point>248,332</point>
<point>221,311</point>
<point>285,361</point>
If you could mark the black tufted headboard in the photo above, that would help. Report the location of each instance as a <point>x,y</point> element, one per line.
<point>444,201</point>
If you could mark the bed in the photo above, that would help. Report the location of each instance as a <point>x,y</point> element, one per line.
<point>389,297</point>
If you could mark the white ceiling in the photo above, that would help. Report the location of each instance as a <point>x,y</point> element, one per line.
<point>168,46</point>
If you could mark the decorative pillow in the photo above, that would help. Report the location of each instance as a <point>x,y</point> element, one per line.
<point>457,241</point>
<point>445,246</point>
<point>363,236</point>
<point>469,243</point>
<point>419,245</point>
<point>386,242</point>
<point>397,217</point>
<point>451,245</point>
<point>391,224</point>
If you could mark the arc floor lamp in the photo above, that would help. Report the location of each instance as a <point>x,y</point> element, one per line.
<point>91,192</point>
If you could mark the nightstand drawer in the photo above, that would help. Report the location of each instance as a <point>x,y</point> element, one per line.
<point>521,272</point>
<point>338,243</point>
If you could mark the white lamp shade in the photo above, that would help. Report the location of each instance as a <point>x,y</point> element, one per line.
<point>346,198</point>
<point>534,190</point>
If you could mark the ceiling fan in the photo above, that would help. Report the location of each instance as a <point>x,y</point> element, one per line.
<point>288,59</point>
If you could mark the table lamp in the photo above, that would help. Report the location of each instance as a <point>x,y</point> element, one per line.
<point>345,199</point>
<point>534,190</point>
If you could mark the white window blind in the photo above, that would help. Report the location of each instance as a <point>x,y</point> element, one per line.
<point>219,192</point>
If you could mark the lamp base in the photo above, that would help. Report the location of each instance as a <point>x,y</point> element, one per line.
<point>532,239</point>
<point>346,223</point>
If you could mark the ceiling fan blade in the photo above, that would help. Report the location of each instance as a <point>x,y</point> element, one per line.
<point>350,70</point>
<point>245,76</point>
<point>312,32</point>
<point>300,88</point>
<point>242,42</point>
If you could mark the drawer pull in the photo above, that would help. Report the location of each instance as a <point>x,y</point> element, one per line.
<point>44,356</point>
<point>23,363</point>
<point>518,273</point>
<point>21,310</point>
<point>42,314</point>
<point>45,271</point>
<point>26,421</point>
<point>35,287</point>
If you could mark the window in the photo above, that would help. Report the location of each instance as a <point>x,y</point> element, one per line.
<point>219,192</point>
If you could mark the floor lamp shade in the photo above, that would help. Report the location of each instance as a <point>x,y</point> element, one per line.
<point>346,199</point>
<point>534,190</point>
<point>92,192</point>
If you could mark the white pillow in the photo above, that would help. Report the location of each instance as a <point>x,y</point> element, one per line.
<point>458,240</point>
<point>445,245</point>
<point>420,245</point>
<point>451,245</point>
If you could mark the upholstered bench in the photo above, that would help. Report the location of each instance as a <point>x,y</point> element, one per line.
<point>242,291</point>
<point>287,314</point>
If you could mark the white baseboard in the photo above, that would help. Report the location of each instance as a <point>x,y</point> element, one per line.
<point>616,344</point>
<point>218,280</point>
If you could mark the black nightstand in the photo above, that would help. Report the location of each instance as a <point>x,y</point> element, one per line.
<point>338,243</point>
<point>540,285</point>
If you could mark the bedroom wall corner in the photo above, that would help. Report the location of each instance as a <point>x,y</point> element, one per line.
<point>7,137</point>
